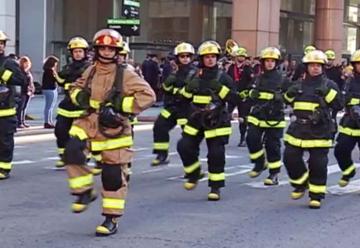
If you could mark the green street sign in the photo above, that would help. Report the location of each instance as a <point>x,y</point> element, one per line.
<point>123,21</point>
<point>132,3</point>
<point>126,27</point>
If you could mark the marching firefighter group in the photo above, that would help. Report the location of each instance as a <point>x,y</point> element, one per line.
<point>103,97</point>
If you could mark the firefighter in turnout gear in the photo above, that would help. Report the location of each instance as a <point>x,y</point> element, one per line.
<point>312,100</point>
<point>109,92</point>
<point>266,120</point>
<point>175,105</point>
<point>10,77</point>
<point>208,91</point>
<point>67,111</point>
<point>242,74</point>
<point>349,127</point>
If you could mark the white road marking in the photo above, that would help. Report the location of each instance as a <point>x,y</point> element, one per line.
<point>353,186</point>
<point>23,162</point>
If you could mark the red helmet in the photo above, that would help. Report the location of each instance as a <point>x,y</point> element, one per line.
<point>108,37</point>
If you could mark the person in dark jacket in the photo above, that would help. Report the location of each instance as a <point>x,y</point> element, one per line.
<point>49,89</point>
<point>151,73</point>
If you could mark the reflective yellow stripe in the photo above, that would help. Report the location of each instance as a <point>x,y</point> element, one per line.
<point>223,92</point>
<point>217,132</point>
<point>110,144</point>
<point>73,95</point>
<point>216,176</point>
<point>176,90</point>
<point>161,146</point>
<point>265,96</point>
<point>301,180</point>
<point>190,130</point>
<point>113,203</point>
<point>5,165</point>
<point>201,99</point>
<point>70,113</point>
<point>310,106</point>
<point>191,168</point>
<point>257,154</point>
<point>349,170</point>
<point>97,157</point>
<point>134,121</point>
<point>265,124</point>
<point>354,101</point>
<point>274,165</point>
<point>59,79</point>
<point>61,151</point>
<point>185,93</point>
<point>244,93</point>
<point>128,104</point>
<point>76,131</point>
<point>181,121</point>
<point>95,104</point>
<point>307,143</point>
<point>80,182</point>
<point>67,86</point>
<point>6,75</point>
<point>7,112</point>
<point>167,88</point>
<point>289,99</point>
<point>165,113</point>
<point>317,188</point>
<point>349,131</point>
<point>330,96</point>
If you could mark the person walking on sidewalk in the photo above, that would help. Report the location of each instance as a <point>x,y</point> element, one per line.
<point>49,89</point>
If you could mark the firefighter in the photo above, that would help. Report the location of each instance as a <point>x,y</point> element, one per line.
<point>11,76</point>
<point>242,74</point>
<point>312,99</point>
<point>266,119</point>
<point>349,127</point>
<point>67,111</point>
<point>109,92</point>
<point>175,106</point>
<point>208,91</point>
<point>300,69</point>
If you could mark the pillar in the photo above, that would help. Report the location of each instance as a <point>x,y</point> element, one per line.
<point>8,23</point>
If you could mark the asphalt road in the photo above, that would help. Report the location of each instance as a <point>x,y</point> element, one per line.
<point>35,205</point>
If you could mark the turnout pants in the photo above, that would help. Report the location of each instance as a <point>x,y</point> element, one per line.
<point>62,128</point>
<point>7,130</point>
<point>343,150</point>
<point>256,138</point>
<point>165,122</point>
<point>243,111</point>
<point>314,176</point>
<point>115,155</point>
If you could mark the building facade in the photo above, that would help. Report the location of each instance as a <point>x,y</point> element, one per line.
<point>39,28</point>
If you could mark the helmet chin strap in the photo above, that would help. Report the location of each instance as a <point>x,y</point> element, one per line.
<point>104,59</point>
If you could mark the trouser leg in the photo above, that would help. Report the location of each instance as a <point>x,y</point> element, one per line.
<point>318,161</point>
<point>254,140</point>
<point>295,166</point>
<point>216,161</point>
<point>273,149</point>
<point>343,149</point>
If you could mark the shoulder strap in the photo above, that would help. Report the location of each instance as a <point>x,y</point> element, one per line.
<point>119,78</point>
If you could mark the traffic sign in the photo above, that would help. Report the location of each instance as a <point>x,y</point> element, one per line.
<point>130,8</point>
<point>126,27</point>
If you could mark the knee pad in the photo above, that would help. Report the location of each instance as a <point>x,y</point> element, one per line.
<point>111,177</point>
<point>74,152</point>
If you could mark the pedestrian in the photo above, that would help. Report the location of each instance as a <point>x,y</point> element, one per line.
<point>49,89</point>
<point>109,93</point>
<point>27,90</point>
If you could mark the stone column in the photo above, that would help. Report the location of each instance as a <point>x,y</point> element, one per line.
<point>8,23</point>
<point>256,24</point>
<point>329,19</point>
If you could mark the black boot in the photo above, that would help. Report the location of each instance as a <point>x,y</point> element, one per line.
<point>214,194</point>
<point>191,183</point>
<point>257,170</point>
<point>242,142</point>
<point>161,159</point>
<point>108,227</point>
<point>4,174</point>
<point>81,204</point>
<point>272,179</point>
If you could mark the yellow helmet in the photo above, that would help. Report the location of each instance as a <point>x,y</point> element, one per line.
<point>108,37</point>
<point>330,54</point>
<point>209,47</point>
<point>309,48</point>
<point>77,42</point>
<point>3,36</point>
<point>184,47</point>
<point>355,57</point>
<point>270,53</point>
<point>241,52</point>
<point>315,56</point>
<point>126,49</point>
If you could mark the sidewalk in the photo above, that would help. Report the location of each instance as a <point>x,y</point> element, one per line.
<point>36,110</point>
